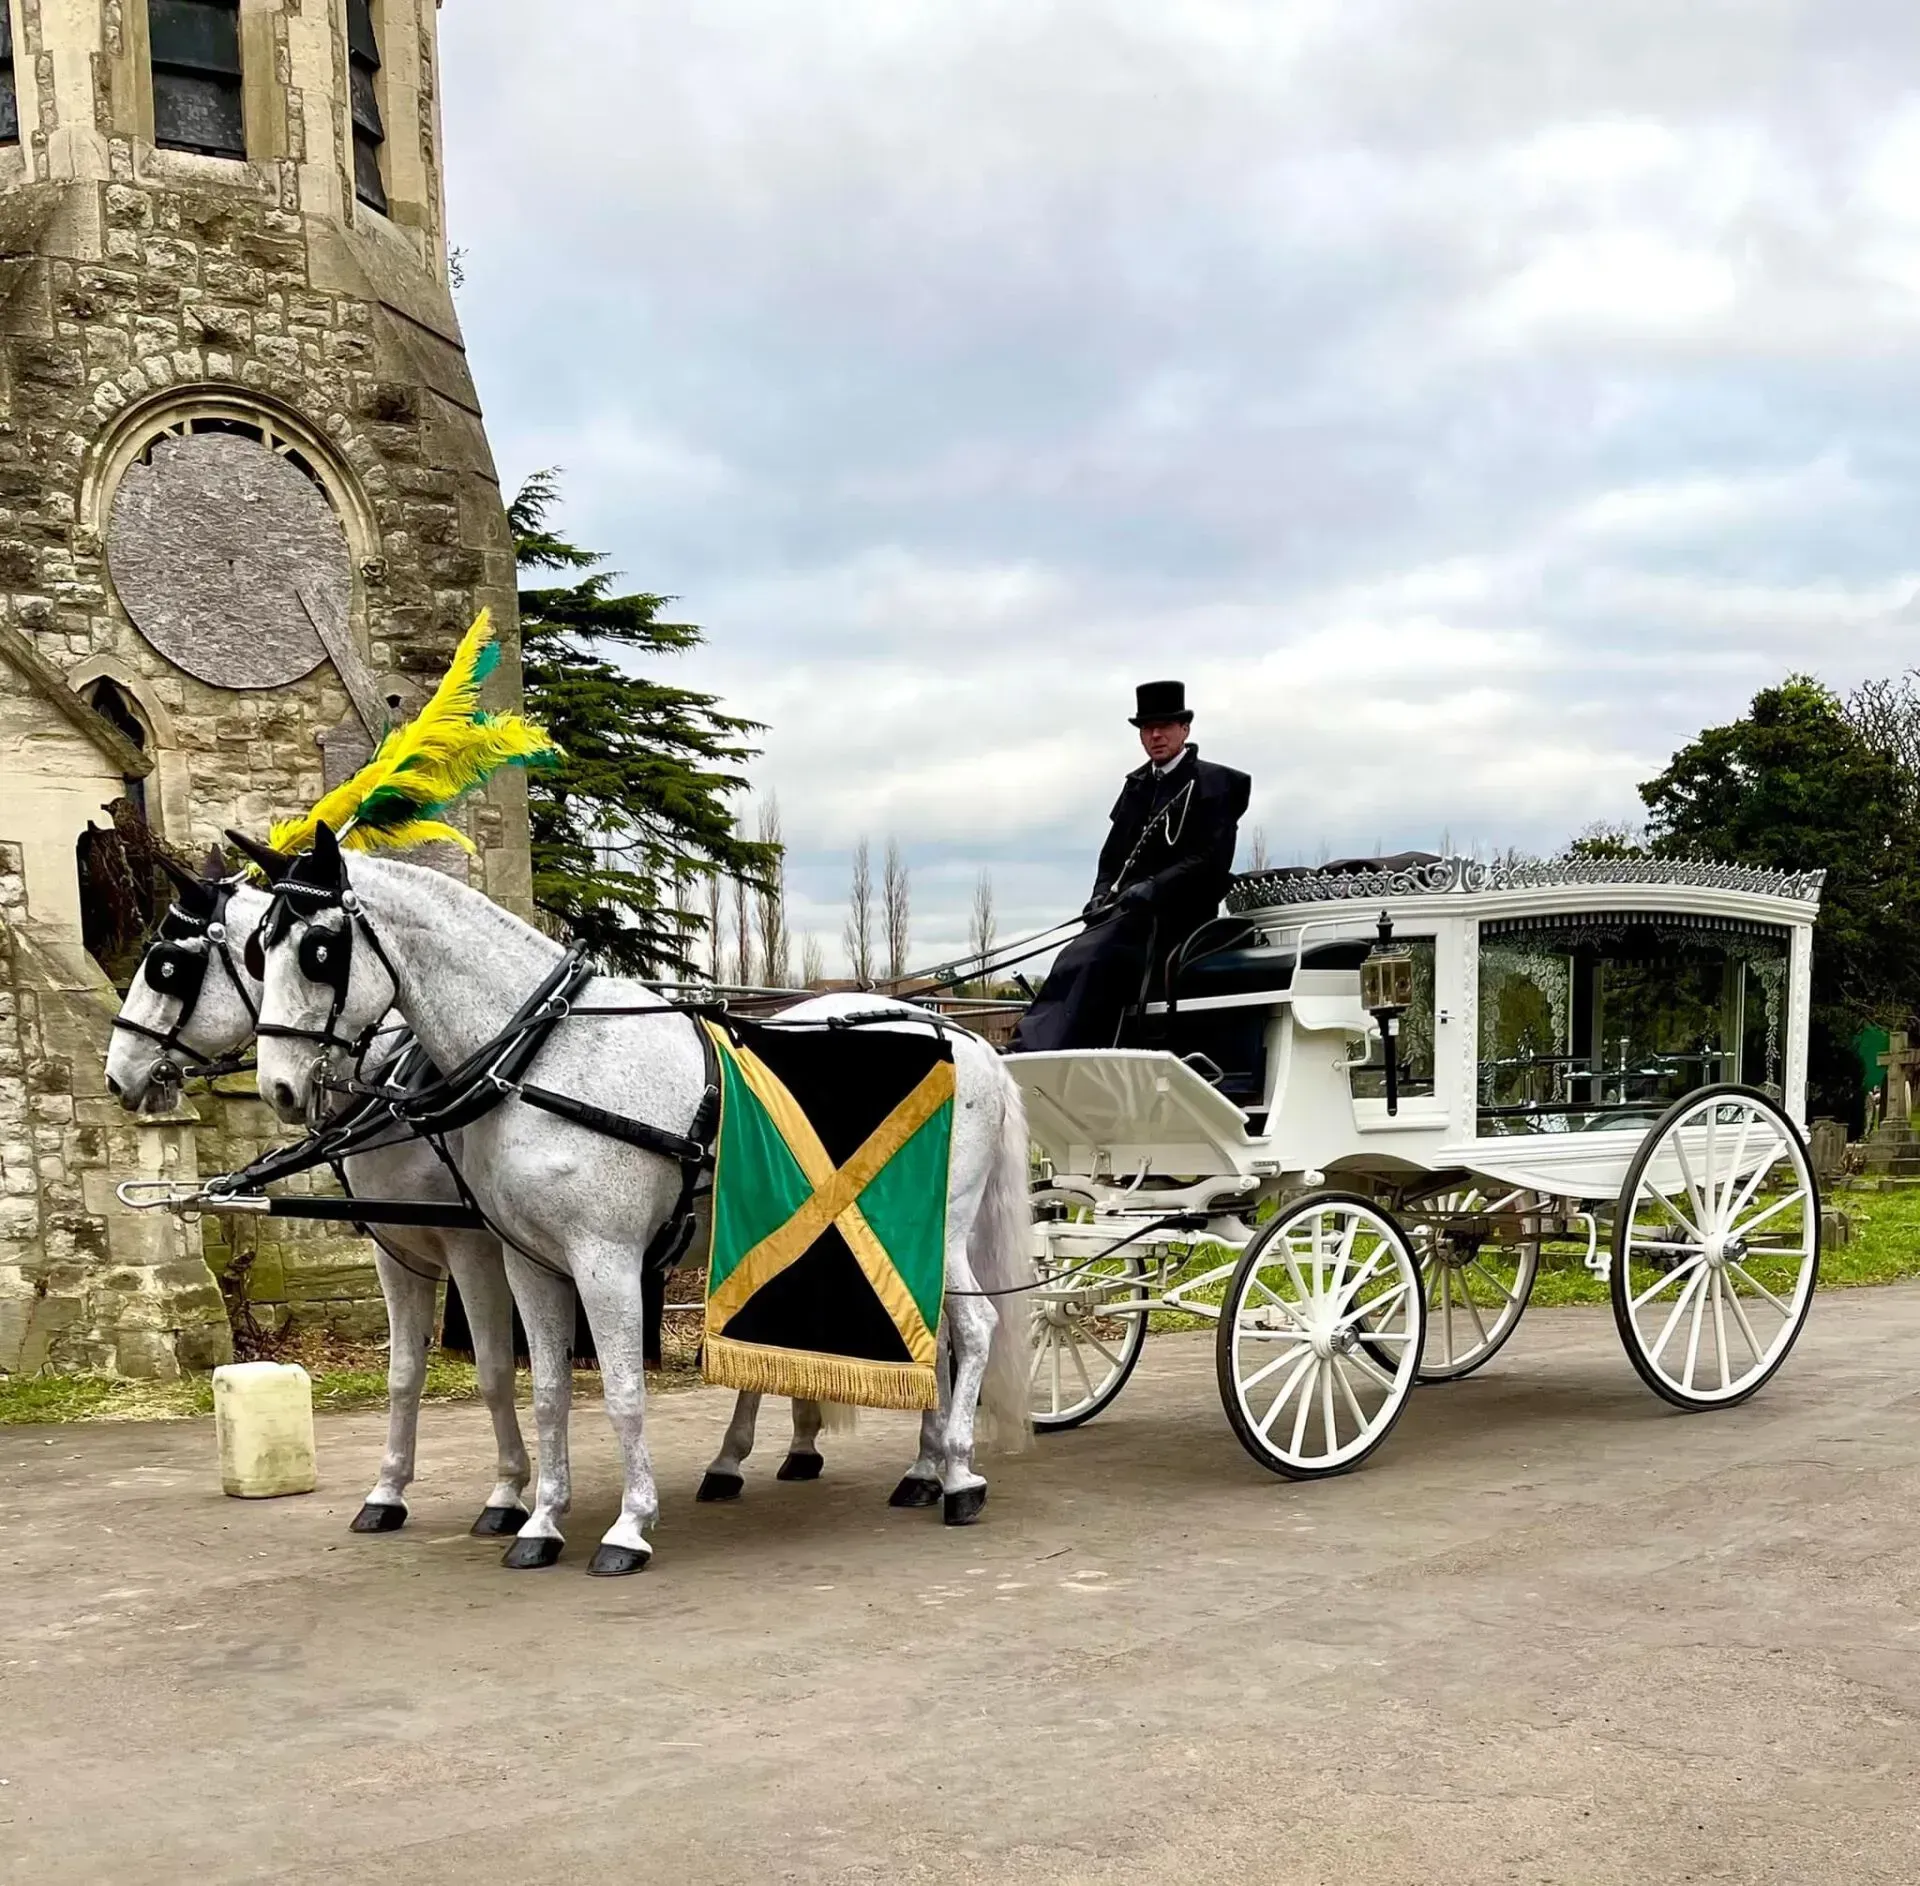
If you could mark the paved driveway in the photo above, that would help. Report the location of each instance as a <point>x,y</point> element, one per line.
<point>1553,1633</point>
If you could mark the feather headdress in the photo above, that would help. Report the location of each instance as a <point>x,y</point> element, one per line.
<point>421,768</point>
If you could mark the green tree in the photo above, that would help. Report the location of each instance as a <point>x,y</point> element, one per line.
<point>631,827</point>
<point>1799,784</point>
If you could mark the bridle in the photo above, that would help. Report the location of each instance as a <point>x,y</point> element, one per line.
<point>172,967</point>
<point>324,956</point>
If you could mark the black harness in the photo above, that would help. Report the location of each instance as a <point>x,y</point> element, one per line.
<point>436,1107</point>
<point>174,967</point>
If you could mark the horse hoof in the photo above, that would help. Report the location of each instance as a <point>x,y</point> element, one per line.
<point>499,1522</point>
<point>964,1507</point>
<point>372,1518</point>
<point>720,1486</point>
<point>533,1554</point>
<point>800,1467</point>
<point>913,1491</point>
<point>617,1561</point>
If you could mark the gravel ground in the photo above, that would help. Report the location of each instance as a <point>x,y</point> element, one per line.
<point>1554,1632</point>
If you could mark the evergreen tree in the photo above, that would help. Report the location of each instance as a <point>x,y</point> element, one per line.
<point>629,829</point>
<point>1800,783</point>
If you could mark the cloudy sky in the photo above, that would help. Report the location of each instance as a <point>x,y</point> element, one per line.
<point>1469,398</point>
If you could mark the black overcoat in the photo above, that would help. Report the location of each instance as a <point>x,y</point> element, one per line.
<point>1174,833</point>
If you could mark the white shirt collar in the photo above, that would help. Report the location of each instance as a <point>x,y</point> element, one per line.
<point>1162,770</point>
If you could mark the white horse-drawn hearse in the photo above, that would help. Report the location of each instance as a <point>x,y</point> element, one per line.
<point>1360,1104</point>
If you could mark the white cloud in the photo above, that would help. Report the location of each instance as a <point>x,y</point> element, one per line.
<point>1470,399</point>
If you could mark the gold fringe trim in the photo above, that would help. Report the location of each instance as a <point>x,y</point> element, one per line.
<point>803,1376</point>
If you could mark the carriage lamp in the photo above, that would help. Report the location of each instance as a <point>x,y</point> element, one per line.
<point>1386,992</point>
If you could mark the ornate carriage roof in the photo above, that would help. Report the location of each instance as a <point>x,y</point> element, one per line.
<point>1370,880</point>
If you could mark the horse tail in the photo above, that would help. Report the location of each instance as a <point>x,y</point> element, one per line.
<point>1001,1249</point>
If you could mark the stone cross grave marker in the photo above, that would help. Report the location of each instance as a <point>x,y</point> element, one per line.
<point>1902,1063</point>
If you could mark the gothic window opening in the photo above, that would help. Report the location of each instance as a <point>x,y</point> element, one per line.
<point>9,94</point>
<point>112,705</point>
<point>369,128</point>
<point>197,102</point>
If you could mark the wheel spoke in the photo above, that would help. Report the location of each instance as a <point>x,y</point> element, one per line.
<point>1326,1409</point>
<point>1306,1395</point>
<point>1285,1395</point>
<point>1367,1366</point>
<point>1260,1374</point>
<point>1512,1297</point>
<point>1686,1223</point>
<point>1796,1197</point>
<point>1733,1169</point>
<point>1740,1317</point>
<point>1352,1400</point>
<point>1080,1364</point>
<point>1446,1319</point>
<point>1473,1310</point>
<point>1720,1329</point>
<point>1667,1282</point>
<point>1755,1180</point>
<point>1686,1172</point>
<point>1693,1331</point>
<point>1746,1277</point>
<point>1679,1310</point>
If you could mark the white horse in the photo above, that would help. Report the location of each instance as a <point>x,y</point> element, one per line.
<point>363,934</point>
<point>158,1037</point>
<point>161,1038</point>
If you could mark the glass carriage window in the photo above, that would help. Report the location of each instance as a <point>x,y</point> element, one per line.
<point>1605,1019</point>
<point>9,95</point>
<point>369,129</point>
<point>1416,1036</point>
<point>196,76</point>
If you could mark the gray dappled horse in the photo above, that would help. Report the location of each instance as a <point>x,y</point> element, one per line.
<point>358,935</point>
<point>191,1009</point>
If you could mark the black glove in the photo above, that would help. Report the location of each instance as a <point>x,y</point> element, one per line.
<point>1097,905</point>
<point>1137,897</point>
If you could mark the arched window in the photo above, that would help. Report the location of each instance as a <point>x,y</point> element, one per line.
<point>9,95</point>
<point>197,106</point>
<point>369,128</point>
<point>111,703</point>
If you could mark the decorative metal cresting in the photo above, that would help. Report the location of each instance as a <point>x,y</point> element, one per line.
<point>1386,992</point>
<point>1264,890</point>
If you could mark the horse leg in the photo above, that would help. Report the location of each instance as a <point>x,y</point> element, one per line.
<point>724,1480</point>
<point>609,1283</point>
<point>803,1460</point>
<point>546,1308</point>
<point>474,1259</point>
<point>920,1485</point>
<point>409,1295</point>
<point>970,1326</point>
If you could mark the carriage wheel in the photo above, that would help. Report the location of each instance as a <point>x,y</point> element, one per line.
<point>1475,1291</point>
<point>1320,1336</point>
<point>1083,1347</point>
<point>1716,1246</point>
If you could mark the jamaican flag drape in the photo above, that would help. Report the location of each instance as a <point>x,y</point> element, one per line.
<point>829,1212</point>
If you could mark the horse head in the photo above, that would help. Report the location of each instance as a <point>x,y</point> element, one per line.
<point>190,1007</point>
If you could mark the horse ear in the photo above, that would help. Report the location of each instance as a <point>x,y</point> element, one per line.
<point>273,865</point>
<point>216,867</point>
<point>326,853</point>
<point>183,879</point>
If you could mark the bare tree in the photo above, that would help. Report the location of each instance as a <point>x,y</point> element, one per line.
<point>776,944</point>
<point>858,934</point>
<point>743,971</point>
<point>896,907</point>
<point>1260,858</point>
<point>813,966</point>
<point>716,936</point>
<point>981,926</point>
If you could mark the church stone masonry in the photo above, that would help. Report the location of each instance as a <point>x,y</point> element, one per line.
<point>246,507</point>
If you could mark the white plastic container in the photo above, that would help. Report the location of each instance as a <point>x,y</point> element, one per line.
<point>263,1415</point>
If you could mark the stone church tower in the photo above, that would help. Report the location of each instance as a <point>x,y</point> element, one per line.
<point>246,509</point>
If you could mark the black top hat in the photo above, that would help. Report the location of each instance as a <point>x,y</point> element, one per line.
<point>1160,700</point>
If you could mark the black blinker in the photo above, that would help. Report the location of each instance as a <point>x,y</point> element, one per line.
<point>255,957</point>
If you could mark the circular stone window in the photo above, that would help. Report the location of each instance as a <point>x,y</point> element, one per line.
<point>224,550</point>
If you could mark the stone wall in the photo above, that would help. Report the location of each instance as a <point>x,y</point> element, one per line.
<point>83,1283</point>
<point>145,292</point>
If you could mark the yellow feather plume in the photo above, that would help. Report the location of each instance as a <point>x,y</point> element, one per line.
<point>446,751</point>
